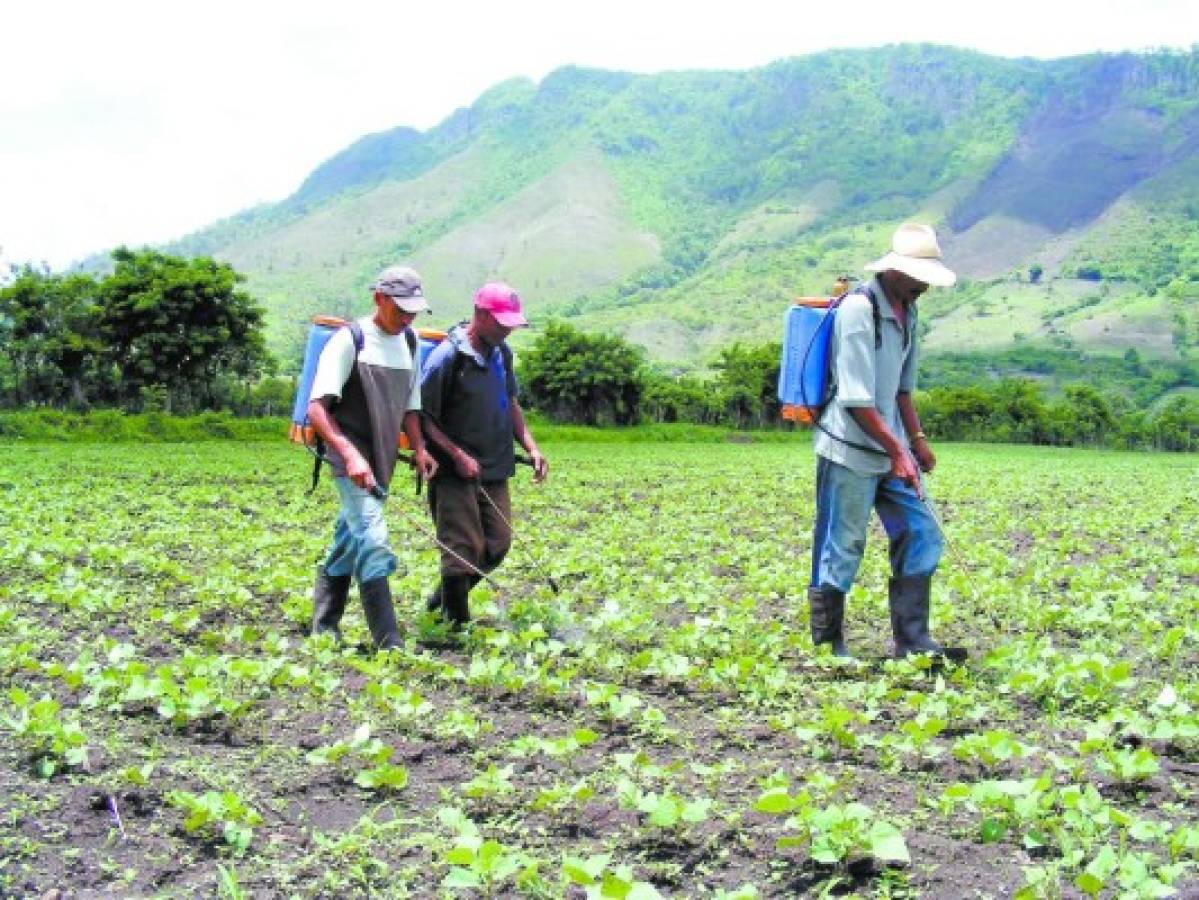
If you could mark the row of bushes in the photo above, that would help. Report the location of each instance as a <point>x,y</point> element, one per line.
<point>1001,415</point>
<point>114,426</point>
<point>110,425</point>
<point>577,378</point>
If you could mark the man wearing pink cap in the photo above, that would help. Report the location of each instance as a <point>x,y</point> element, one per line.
<point>471,417</point>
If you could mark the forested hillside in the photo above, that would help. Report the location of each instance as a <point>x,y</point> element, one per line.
<point>684,210</point>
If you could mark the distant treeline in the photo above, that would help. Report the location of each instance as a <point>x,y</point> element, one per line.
<point>164,335</point>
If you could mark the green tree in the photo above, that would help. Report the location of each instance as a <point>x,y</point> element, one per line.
<point>681,399</point>
<point>49,329</point>
<point>957,413</point>
<point>272,396</point>
<point>1134,364</point>
<point>590,379</point>
<point>22,329</point>
<point>749,380</point>
<point>1083,416</point>
<point>178,323</point>
<point>1020,412</point>
<point>1176,427</point>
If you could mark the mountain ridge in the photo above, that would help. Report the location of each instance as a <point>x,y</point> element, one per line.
<point>685,209</point>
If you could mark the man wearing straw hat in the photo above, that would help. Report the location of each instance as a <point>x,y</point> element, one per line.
<point>471,417</point>
<point>871,450</point>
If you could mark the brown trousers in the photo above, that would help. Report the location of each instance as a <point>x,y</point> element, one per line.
<point>469,524</point>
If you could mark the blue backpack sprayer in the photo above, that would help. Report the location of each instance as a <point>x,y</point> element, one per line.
<point>804,375</point>
<point>806,386</point>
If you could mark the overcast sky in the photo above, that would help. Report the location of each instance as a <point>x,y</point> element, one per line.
<point>138,122</point>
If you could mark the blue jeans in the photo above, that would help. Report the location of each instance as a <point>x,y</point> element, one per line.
<point>360,536</point>
<point>844,499</point>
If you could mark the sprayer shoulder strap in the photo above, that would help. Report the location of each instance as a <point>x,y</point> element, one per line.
<point>456,367</point>
<point>360,341</point>
<point>875,315</point>
<point>878,343</point>
<point>877,318</point>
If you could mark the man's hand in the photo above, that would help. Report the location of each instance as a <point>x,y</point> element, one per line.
<point>541,466</point>
<point>466,466</point>
<point>903,464</point>
<point>425,464</point>
<point>903,467</point>
<point>924,454</point>
<point>358,470</point>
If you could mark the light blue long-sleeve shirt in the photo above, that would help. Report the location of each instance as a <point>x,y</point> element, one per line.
<point>867,377</point>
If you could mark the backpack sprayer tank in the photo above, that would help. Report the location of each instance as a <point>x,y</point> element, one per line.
<point>804,372</point>
<point>323,328</point>
<point>803,377</point>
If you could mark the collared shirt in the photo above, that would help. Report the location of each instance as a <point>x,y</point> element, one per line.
<point>867,377</point>
<point>470,400</point>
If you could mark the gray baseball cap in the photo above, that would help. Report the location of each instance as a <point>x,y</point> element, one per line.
<point>403,285</point>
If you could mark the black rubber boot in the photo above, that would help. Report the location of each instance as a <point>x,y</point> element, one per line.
<point>826,606</point>
<point>329,602</point>
<point>433,601</point>
<point>380,614</point>
<point>454,592</point>
<point>909,599</point>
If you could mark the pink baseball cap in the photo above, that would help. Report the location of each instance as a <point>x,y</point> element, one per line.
<point>502,302</point>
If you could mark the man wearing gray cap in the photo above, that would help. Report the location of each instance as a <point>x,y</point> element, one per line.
<point>870,449</point>
<point>365,393</point>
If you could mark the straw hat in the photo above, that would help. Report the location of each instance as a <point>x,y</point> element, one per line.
<point>915,252</point>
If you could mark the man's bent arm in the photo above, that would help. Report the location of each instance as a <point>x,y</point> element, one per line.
<point>871,421</point>
<point>437,437</point>
<point>911,424</point>
<point>465,465</point>
<point>357,468</point>
<point>907,413</point>
<point>524,437</point>
<point>902,465</point>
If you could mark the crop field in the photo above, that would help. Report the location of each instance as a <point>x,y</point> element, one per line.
<point>660,726</point>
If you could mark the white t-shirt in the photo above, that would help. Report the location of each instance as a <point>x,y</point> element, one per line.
<point>388,351</point>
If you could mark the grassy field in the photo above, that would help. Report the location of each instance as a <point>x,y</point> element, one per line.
<point>660,726</point>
